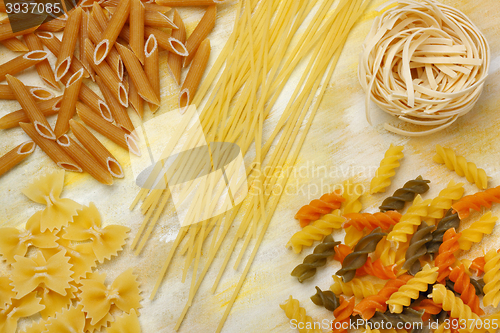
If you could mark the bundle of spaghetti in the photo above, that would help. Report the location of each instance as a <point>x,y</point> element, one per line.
<point>357,287</point>
<point>476,201</point>
<point>474,233</point>
<point>460,165</point>
<point>446,257</point>
<point>450,220</point>
<point>315,231</point>
<point>405,194</point>
<point>436,80</point>
<point>293,310</point>
<point>464,287</point>
<point>343,315</point>
<point>417,248</point>
<point>324,205</point>
<point>492,278</point>
<point>369,305</point>
<point>387,169</point>
<point>442,203</point>
<point>410,220</point>
<point>370,221</point>
<point>429,307</point>
<point>352,203</point>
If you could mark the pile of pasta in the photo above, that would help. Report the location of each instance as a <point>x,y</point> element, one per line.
<point>52,281</point>
<point>116,45</point>
<point>402,266</point>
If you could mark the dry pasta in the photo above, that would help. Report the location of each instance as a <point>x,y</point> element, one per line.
<point>21,63</point>
<point>43,68</point>
<point>68,104</point>
<point>16,156</point>
<point>137,29</point>
<point>199,34</point>
<point>68,43</point>
<point>293,310</point>
<point>476,231</point>
<point>152,68</point>
<point>387,169</point>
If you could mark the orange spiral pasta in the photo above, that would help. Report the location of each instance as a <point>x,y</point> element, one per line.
<point>476,201</point>
<point>324,205</point>
<point>376,268</point>
<point>430,308</point>
<point>371,221</point>
<point>369,305</point>
<point>477,265</point>
<point>343,315</point>
<point>341,251</point>
<point>466,289</point>
<point>446,256</point>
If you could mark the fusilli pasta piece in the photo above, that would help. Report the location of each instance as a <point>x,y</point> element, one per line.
<point>446,257</point>
<point>294,311</point>
<point>6,292</point>
<point>352,236</point>
<point>326,298</point>
<point>324,205</point>
<point>385,252</point>
<point>371,221</point>
<point>315,231</point>
<point>450,220</point>
<point>126,323</point>
<point>408,317</point>
<point>429,307</point>
<point>405,194</point>
<point>491,319</point>
<point>442,203</point>
<point>387,169</point>
<point>460,165</point>
<point>492,278</point>
<point>350,193</point>
<point>464,287</point>
<point>377,269</point>
<point>19,308</point>
<point>477,265</point>
<point>343,315</point>
<point>341,251</point>
<point>474,233</point>
<point>318,258</point>
<point>69,320</point>
<point>412,288</point>
<point>417,247</point>
<point>476,201</point>
<point>410,220</point>
<point>356,287</point>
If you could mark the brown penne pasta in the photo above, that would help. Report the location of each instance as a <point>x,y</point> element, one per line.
<point>175,60</point>
<point>7,33</point>
<point>134,99</point>
<point>39,93</point>
<point>68,43</point>
<point>147,6</point>
<point>54,25</point>
<point>188,3</point>
<point>193,78</point>
<point>201,32</point>
<point>99,16</point>
<point>84,34</point>
<point>14,44</point>
<point>52,149</point>
<point>96,149</point>
<point>152,18</point>
<point>43,68</point>
<point>167,42</point>
<point>119,112</point>
<point>137,29</point>
<point>21,63</point>
<point>68,104</point>
<point>48,108</point>
<point>16,156</point>
<point>152,68</point>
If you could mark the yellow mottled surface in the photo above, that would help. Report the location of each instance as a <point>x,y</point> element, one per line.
<point>341,145</point>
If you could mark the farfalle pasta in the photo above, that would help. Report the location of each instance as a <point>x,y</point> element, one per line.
<point>53,301</point>
<point>69,320</point>
<point>126,323</point>
<point>6,292</point>
<point>19,308</point>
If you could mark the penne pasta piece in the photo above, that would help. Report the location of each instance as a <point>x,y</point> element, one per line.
<point>152,18</point>
<point>96,149</point>
<point>201,32</point>
<point>174,60</point>
<point>134,99</point>
<point>16,156</point>
<point>85,160</point>
<point>43,68</point>
<point>152,68</point>
<point>39,93</point>
<point>112,132</point>
<point>108,76</point>
<point>68,43</point>
<point>112,31</point>
<point>137,29</point>
<point>84,34</point>
<point>68,104</point>
<point>7,33</point>
<point>54,25</point>
<point>118,111</point>
<point>52,149</point>
<point>147,5</point>
<point>31,108</point>
<point>188,3</point>
<point>15,45</point>
<point>193,78</point>
<point>138,75</point>
<point>21,63</point>
<point>13,119</point>
<point>99,16</point>
<point>167,42</point>
<point>2,6</point>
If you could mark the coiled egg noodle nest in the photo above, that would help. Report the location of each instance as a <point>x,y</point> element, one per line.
<point>425,63</point>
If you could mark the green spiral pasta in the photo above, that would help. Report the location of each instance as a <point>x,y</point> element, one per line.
<point>326,298</point>
<point>358,257</point>
<point>317,259</point>
<point>450,220</point>
<point>418,247</point>
<point>407,316</point>
<point>405,194</point>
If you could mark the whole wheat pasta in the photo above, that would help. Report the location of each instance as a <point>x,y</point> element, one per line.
<point>31,108</point>
<point>48,108</point>
<point>137,29</point>
<point>187,3</point>
<point>175,60</point>
<point>84,34</point>
<point>68,43</point>
<point>166,41</point>
<point>148,6</point>
<point>152,18</point>
<point>68,104</point>
<point>99,16</point>
<point>138,75</point>
<point>112,132</point>
<point>7,33</point>
<point>54,25</point>
<point>134,99</point>
<point>14,44</point>
<point>85,160</point>
<point>118,111</point>
<point>21,63</point>
<point>16,156</point>
<point>52,149</point>
<point>43,68</point>
<point>97,149</point>
<point>201,32</point>
<point>39,93</point>
<point>193,78</point>
<point>112,31</point>
<point>152,68</point>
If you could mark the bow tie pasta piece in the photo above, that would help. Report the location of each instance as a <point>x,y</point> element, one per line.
<point>36,327</point>
<point>6,292</point>
<point>106,242</point>
<point>15,242</point>
<point>19,308</point>
<point>54,302</point>
<point>47,191</point>
<point>104,322</point>
<point>126,323</point>
<point>70,320</point>
<point>30,273</point>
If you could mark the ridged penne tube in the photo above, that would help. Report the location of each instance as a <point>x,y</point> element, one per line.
<point>21,63</point>
<point>54,25</point>
<point>43,68</point>
<point>119,111</point>
<point>99,16</point>
<point>52,149</point>
<point>200,33</point>
<point>112,31</point>
<point>108,76</point>
<point>48,108</point>
<point>167,42</point>
<point>138,75</point>
<point>68,104</point>
<point>39,93</point>
<point>7,33</point>
<point>68,43</point>
<point>152,18</point>
<point>137,29</point>
<point>15,156</point>
<point>148,6</point>
<point>152,68</point>
<point>84,34</point>
<point>193,78</point>
<point>97,149</point>
<point>187,3</point>
<point>175,60</point>
<point>112,132</point>
<point>134,99</point>
<point>15,45</point>
<point>31,108</point>
<point>85,160</point>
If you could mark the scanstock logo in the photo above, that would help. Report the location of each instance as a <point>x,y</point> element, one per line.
<point>205,179</point>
